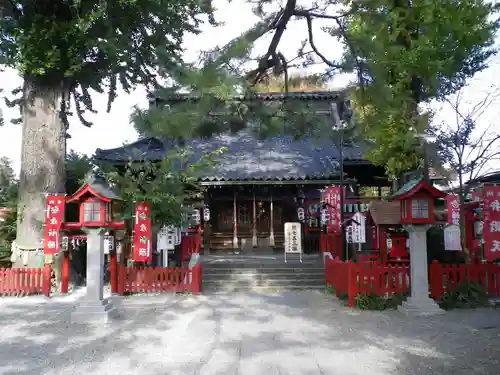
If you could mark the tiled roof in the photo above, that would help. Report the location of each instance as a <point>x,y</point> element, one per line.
<point>407,187</point>
<point>100,186</point>
<point>247,158</point>
<point>385,213</point>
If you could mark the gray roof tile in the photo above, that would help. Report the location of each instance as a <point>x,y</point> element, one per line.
<point>247,158</point>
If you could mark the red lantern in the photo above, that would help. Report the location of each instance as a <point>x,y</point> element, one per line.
<point>95,200</point>
<point>417,202</point>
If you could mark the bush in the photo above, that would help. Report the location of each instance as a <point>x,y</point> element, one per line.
<point>379,303</point>
<point>466,295</point>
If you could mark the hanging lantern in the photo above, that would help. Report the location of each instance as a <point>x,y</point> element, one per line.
<point>325,216</point>
<point>300,213</point>
<point>64,243</point>
<point>206,214</point>
<point>196,217</point>
<point>109,243</point>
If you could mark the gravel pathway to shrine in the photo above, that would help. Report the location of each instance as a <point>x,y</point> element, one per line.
<point>304,333</point>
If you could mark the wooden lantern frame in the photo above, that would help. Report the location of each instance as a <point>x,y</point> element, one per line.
<point>420,191</point>
<point>87,194</point>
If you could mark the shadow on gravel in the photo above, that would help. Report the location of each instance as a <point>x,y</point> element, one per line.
<point>228,334</point>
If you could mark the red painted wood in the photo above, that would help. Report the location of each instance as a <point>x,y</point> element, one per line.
<point>24,281</point>
<point>65,273</point>
<point>158,280</point>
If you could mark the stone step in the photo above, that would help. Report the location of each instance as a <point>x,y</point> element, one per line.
<point>255,276</point>
<point>264,268</point>
<point>241,271</point>
<point>269,289</point>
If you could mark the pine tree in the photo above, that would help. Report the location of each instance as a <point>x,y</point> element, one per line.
<point>404,53</point>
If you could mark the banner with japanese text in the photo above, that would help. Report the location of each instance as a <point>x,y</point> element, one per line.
<point>143,251</point>
<point>54,217</point>
<point>491,222</point>
<point>453,207</point>
<point>332,200</point>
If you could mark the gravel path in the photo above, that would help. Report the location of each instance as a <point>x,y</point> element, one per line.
<point>304,333</point>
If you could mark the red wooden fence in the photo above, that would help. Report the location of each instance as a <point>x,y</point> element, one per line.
<point>190,244</point>
<point>158,280</point>
<point>331,243</point>
<point>25,281</point>
<point>445,278</point>
<point>367,278</point>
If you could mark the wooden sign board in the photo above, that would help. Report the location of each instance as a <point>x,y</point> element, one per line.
<point>293,239</point>
<point>452,241</point>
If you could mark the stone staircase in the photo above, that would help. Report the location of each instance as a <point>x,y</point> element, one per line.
<point>268,275</point>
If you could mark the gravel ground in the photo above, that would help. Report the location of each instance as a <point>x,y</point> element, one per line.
<point>302,333</point>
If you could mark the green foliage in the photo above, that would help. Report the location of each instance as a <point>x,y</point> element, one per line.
<point>79,45</point>
<point>8,183</point>
<point>377,302</point>
<point>77,168</point>
<point>388,43</point>
<point>222,100</point>
<point>466,295</point>
<point>168,185</point>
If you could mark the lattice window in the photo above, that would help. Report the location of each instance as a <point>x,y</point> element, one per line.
<point>420,208</point>
<point>244,216</point>
<point>91,211</point>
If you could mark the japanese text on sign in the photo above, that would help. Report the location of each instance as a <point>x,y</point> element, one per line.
<point>53,220</point>
<point>142,233</point>
<point>491,222</point>
<point>453,207</point>
<point>293,238</point>
<point>332,200</point>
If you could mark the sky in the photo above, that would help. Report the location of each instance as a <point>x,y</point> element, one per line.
<point>113,129</point>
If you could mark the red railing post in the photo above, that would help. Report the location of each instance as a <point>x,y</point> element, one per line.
<point>436,280</point>
<point>113,272</point>
<point>47,276</point>
<point>65,273</point>
<point>196,280</point>
<point>352,282</point>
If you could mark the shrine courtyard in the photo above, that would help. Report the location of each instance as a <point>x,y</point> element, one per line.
<point>303,333</point>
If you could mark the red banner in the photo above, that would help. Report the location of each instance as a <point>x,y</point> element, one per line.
<point>491,222</point>
<point>453,207</point>
<point>54,217</point>
<point>332,199</point>
<point>143,251</point>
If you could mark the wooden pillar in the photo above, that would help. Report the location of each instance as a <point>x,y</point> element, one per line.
<point>235,222</point>
<point>271,217</point>
<point>254,221</point>
<point>65,272</point>
<point>113,270</point>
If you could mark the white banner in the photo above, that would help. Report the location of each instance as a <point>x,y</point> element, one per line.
<point>359,230</point>
<point>293,238</point>
<point>452,241</point>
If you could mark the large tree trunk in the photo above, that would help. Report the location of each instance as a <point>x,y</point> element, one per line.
<point>42,165</point>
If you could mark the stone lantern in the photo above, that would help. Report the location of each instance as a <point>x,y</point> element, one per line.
<point>95,199</point>
<point>417,215</point>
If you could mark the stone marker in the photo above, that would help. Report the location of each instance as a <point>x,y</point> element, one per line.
<point>94,308</point>
<point>419,302</point>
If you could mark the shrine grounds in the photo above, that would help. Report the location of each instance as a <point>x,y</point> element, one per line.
<point>306,333</point>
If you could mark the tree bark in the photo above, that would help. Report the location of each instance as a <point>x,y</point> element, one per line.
<point>42,164</point>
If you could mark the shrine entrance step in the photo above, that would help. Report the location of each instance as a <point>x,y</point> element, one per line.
<point>261,272</point>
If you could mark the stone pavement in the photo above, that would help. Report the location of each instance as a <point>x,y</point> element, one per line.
<point>306,333</point>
